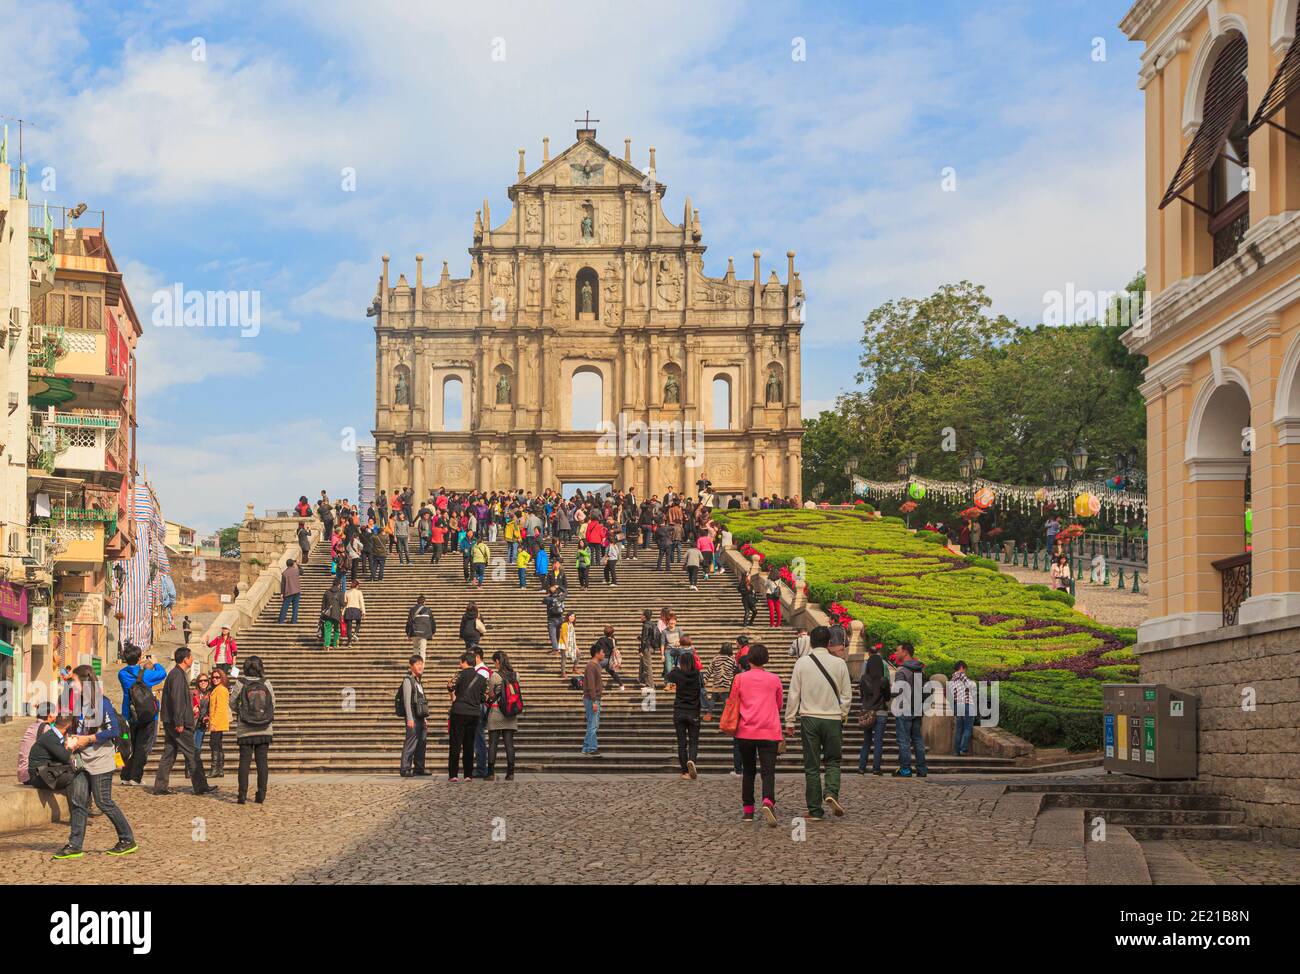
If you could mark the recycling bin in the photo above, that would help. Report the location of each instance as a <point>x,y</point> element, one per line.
<point>1149,730</point>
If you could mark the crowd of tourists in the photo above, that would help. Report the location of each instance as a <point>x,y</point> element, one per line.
<point>78,745</point>
<point>80,741</point>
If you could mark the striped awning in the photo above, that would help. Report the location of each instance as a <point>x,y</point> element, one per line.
<point>1224,95</point>
<point>6,649</point>
<point>1284,83</point>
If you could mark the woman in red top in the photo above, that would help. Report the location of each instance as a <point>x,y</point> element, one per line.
<point>759,695</point>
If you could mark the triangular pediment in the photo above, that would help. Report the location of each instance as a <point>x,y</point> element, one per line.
<point>586,164</point>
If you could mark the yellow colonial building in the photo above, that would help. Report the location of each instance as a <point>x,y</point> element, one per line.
<point>1221,332</point>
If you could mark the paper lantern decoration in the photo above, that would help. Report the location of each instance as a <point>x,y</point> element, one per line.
<point>1250,521</point>
<point>984,498</point>
<point>1040,495</point>
<point>1087,505</point>
<point>916,491</point>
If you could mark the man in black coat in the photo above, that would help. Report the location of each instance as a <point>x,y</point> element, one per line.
<point>176,719</point>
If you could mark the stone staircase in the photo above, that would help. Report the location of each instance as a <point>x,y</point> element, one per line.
<point>1149,810</point>
<point>334,709</point>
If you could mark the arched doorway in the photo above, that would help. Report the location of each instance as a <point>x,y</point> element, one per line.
<point>587,399</point>
<point>453,404</point>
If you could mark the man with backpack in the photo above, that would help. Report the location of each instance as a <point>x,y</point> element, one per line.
<point>554,603</point>
<point>254,703</point>
<point>420,626</point>
<point>176,717</point>
<point>139,708</point>
<point>820,696</point>
<point>412,706</point>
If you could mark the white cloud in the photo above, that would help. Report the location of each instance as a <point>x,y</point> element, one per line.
<point>206,481</point>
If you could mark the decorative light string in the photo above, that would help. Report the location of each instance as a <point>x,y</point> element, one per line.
<point>1120,504</point>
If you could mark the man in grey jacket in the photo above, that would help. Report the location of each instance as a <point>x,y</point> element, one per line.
<point>176,719</point>
<point>290,590</point>
<point>820,696</point>
<point>416,711</point>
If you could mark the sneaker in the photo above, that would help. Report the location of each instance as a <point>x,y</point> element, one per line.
<point>510,776</point>
<point>902,773</point>
<point>123,848</point>
<point>207,791</point>
<point>769,816</point>
<point>424,774</point>
<point>923,774</point>
<point>815,817</point>
<point>686,776</point>
<point>734,774</point>
<point>454,780</point>
<point>747,816</point>
<point>162,791</point>
<point>835,806</point>
<point>691,771</point>
<point>67,852</point>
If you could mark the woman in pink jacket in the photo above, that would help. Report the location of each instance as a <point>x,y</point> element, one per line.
<point>759,733</point>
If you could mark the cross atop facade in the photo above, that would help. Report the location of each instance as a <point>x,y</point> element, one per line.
<point>586,122</point>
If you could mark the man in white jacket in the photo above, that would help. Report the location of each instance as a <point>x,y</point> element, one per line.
<point>820,696</point>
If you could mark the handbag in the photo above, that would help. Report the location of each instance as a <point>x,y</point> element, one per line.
<point>867,719</point>
<point>730,721</point>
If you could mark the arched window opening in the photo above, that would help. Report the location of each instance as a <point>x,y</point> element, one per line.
<point>722,402</point>
<point>588,399</point>
<point>453,406</point>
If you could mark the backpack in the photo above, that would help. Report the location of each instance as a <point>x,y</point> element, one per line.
<point>256,708</point>
<point>144,705</point>
<point>419,705</point>
<point>510,699</point>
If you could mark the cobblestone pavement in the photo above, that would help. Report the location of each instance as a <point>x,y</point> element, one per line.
<point>1108,605</point>
<point>595,829</point>
<point>1244,863</point>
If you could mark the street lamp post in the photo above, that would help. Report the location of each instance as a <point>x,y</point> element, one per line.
<point>905,467</point>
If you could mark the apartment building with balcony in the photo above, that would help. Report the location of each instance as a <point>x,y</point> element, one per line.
<point>1221,334</point>
<point>81,435</point>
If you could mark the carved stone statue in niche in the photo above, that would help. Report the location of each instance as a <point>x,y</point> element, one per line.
<point>588,223</point>
<point>774,396</point>
<point>639,221</point>
<point>672,390</point>
<point>586,297</point>
<point>503,390</point>
<point>560,302</point>
<point>534,287</point>
<point>532,218</point>
<point>402,392</point>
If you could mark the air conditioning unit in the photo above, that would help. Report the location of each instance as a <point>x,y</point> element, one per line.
<point>36,548</point>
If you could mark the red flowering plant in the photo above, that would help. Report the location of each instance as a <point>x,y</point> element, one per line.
<point>839,615</point>
<point>907,507</point>
<point>749,551</point>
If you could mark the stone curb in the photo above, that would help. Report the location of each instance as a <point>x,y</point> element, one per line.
<point>23,807</point>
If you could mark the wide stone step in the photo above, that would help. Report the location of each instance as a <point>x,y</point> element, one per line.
<point>1227,833</point>
<point>1165,816</point>
<point>1137,800</point>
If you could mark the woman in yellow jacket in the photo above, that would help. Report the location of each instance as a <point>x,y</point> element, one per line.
<point>219,721</point>
<point>522,561</point>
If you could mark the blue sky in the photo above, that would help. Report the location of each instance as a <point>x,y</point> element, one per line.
<point>226,173</point>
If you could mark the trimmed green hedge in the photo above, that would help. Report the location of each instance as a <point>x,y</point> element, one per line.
<point>1048,659</point>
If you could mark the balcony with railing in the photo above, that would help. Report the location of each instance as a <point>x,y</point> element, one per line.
<point>1234,575</point>
<point>80,443</point>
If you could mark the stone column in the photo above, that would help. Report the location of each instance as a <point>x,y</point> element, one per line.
<point>417,477</point>
<point>690,394</point>
<point>381,475</point>
<point>793,471</point>
<point>548,471</point>
<point>484,472</point>
<point>756,358</point>
<point>629,472</point>
<point>629,394</point>
<point>521,471</point>
<point>756,479</point>
<point>656,389</point>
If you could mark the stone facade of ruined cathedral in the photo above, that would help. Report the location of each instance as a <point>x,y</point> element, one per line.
<point>587,274</point>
